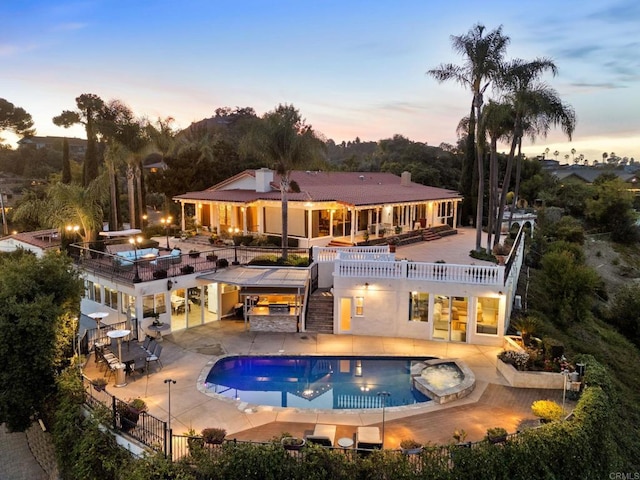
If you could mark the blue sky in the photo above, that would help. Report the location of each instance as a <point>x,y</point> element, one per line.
<point>353,68</point>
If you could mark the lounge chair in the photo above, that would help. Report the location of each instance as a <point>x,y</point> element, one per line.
<point>368,438</point>
<point>323,435</point>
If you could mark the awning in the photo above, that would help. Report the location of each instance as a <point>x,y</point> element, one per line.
<point>121,233</point>
<point>274,278</point>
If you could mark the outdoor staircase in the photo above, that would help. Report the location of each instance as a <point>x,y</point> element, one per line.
<point>435,233</point>
<point>339,243</point>
<point>320,312</point>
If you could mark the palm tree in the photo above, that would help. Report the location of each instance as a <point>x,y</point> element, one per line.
<point>555,154</point>
<point>536,107</point>
<point>573,155</point>
<point>67,204</point>
<point>483,55</point>
<point>284,140</point>
<point>605,155</point>
<point>115,156</point>
<point>497,122</point>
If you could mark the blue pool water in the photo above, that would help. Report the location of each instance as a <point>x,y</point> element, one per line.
<point>315,382</point>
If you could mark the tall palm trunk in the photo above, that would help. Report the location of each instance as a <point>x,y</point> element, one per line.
<point>113,194</point>
<point>493,188</point>
<point>131,195</point>
<point>516,191</point>
<point>140,194</point>
<point>284,187</point>
<point>480,160</point>
<point>517,134</point>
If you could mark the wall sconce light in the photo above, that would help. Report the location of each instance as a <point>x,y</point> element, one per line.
<point>169,284</point>
<point>500,293</point>
<point>366,285</point>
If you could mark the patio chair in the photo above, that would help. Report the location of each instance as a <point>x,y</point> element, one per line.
<point>368,438</point>
<point>145,344</point>
<point>323,435</point>
<point>154,357</point>
<point>151,347</point>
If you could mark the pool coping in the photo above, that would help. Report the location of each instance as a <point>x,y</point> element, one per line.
<point>248,408</point>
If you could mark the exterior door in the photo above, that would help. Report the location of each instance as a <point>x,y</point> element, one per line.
<point>345,315</point>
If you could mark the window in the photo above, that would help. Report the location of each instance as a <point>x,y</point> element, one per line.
<point>359,306</point>
<point>89,290</point>
<point>128,303</point>
<point>111,298</point>
<point>153,304</point>
<point>487,315</point>
<point>97,293</point>
<point>418,307</point>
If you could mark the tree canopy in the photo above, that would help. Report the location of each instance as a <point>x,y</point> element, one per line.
<point>15,119</point>
<point>39,299</point>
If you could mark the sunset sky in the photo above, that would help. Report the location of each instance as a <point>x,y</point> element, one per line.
<point>352,68</point>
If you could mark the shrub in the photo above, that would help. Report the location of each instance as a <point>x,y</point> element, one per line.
<point>496,434</point>
<point>517,359</point>
<point>552,348</point>
<point>213,435</point>
<point>222,263</point>
<point>409,444</point>
<point>547,410</point>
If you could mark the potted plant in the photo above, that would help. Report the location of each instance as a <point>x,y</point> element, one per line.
<point>546,410</point>
<point>410,447</point>
<point>213,435</point>
<point>527,326</point>
<point>129,413</point>
<point>365,235</point>
<point>212,257</point>
<point>500,251</point>
<point>156,318</point>
<point>194,253</point>
<point>496,435</point>
<point>398,229</point>
<point>459,435</point>
<point>222,263</point>
<point>381,232</point>
<point>292,443</point>
<point>194,441</point>
<point>186,269</point>
<point>160,274</point>
<point>99,384</point>
<point>393,243</point>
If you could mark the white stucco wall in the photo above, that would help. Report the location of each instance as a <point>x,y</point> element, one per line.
<point>386,307</point>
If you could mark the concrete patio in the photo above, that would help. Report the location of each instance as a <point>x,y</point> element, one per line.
<point>189,353</point>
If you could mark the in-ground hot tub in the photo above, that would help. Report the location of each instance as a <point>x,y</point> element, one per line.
<point>443,380</point>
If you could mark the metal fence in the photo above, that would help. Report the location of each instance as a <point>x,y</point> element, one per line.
<point>155,434</point>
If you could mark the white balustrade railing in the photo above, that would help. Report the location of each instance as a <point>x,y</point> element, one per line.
<point>440,272</point>
<point>329,254</point>
<point>367,256</point>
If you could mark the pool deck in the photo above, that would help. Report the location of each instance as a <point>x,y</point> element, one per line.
<point>187,354</point>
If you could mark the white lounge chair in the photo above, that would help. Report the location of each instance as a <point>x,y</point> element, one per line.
<point>323,435</point>
<point>368,438</point>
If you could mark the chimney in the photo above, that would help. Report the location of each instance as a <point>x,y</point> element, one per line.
<point>264,177</point>
<point>405,179</point>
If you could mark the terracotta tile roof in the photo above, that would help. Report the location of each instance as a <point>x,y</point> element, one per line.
<point>43,239</point>
<point>352,188</point>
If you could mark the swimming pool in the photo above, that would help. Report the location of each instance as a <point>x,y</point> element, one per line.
<point>322,382</point>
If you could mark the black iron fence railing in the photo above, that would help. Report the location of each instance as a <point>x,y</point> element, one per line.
<point>92,335</point>
<point>128,419</point>
<point>136,269</point>
<point>154,433</point>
